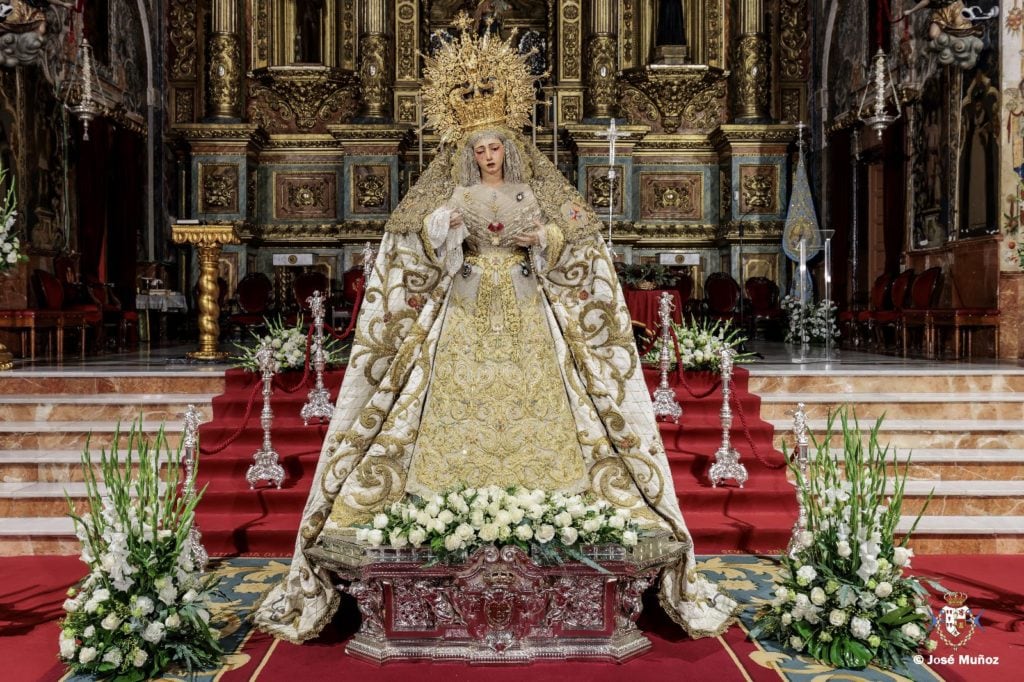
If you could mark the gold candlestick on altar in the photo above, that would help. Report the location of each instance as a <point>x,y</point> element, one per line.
<point>208,240</point>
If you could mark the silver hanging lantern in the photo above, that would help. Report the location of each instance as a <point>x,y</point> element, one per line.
<point>84,88</point>
<point>880,103</point>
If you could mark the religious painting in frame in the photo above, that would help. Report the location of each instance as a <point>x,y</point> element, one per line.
<point>303,196</point>
<point>978,178</point>
<point>671,196</point>
<point>932,172</point>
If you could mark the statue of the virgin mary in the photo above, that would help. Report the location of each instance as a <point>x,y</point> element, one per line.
<point>493,348</point>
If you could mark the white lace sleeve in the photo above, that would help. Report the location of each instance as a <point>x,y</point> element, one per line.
<point>446,242</point>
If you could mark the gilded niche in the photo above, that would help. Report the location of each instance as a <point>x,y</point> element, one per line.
<point>218,188</point>
<point>759,189</point>
<point>371,189</point>
<point>671,196</point>
<point>302,99</point>
<point>674,98</point>
<point>305,195</point>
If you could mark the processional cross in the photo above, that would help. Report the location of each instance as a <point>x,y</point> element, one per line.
<point>612,134</point>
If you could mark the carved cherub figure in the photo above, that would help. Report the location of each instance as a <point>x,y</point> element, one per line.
<point>953,33</point>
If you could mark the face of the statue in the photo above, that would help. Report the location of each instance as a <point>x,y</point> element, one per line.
<point>490,157</point>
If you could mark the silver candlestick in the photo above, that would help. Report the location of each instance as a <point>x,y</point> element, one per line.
<point>189,455</point>
<point>799,539</point>
<point>265,466</point>
<point>318,405</point>
<point>665,403</point>
<point>369,256</point>
<point>612,134</point>
<point>727,461</point>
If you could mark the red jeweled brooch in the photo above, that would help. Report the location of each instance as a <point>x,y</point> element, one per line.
<point>495,227</point>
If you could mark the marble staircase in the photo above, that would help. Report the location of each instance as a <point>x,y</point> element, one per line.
<point>962,428</point>
<point>46,420</point>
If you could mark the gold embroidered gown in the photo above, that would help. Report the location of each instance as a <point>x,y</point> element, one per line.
<point>475,362</point>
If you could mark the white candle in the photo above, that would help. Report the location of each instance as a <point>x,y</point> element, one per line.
<point>554,127</point>
<point>612,136</point>
<point>419,122</point>
<point>533,130</point>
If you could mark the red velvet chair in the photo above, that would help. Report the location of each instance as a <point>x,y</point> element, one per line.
<point>722,294</point>
<point>857,323</point>
<point>765,311</point>
<point>254,295</point>
<point>125,323</point>
<point>54,316</point>
<point>880,320</point>
<point>924,294</point>
<point>303,287</point>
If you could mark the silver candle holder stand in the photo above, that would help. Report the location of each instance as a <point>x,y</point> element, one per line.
<point>318,403</point>
<point>265,466</point>
<point>664,398</point>
<point>801,456</point>
<point>189,455</point>
<point>727,460</point>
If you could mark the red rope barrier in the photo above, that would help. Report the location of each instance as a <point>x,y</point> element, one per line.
<point>241,427</point>
<point>682,372</point>
<point>746,434</point>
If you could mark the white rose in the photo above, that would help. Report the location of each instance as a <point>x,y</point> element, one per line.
<point>503,518</point>
<point>787,618</point>
<point>380,521</point>
<point>89,631</point>
<point>524,532</point>
<point>452,542</point>
<point>911,631</point>
<point>417,536</point>
<point>901,556</point>
<point>504,533</point>
<point>489,532</point>
<point>397,538</point>
<point>189,597</point>
<point>569,535</point>
<point>517,514</point>
<point>432,509</point>
<point>629,538</point>
<point>818,596</point>
<point>375,537</point>
<point>860,627</point>
<point>837,617</point>
<point>465,532</point>
<point>71,605</point>
<point>843,549</point>
<point>144,606</point>
<point>445,517</point>
<point>563,519</point>
<point>87,655</point>
<point>617,522</point>
<point>112,656</point>
<point>167,594</point>
<point>545,534</point>
<point>576,509</point>
<point>796,643</point>
<point>173,621</point>
<point>67,646</point>
<point>883,590</point>
<point>110,622</point>
<point>101,595</point>
<point>154,632</point>
<point>591,525</point>
<point>422,518</point>
<point>781,593</point>
<point>477,518</point>
<point>139,658</point>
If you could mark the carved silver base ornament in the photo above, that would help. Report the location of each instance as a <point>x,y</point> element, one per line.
<point>664,398</point>
<point>727,461</point>
<point>800,538</point>
<point>499,606</point>
<point>265,466</point>
<point>318,404</point>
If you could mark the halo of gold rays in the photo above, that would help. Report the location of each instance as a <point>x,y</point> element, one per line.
<point>474,81</point>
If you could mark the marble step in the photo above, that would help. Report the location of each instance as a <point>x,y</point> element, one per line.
<point>21,383</point>
<point>53,466</point>
<point>869,406</point>
<point>934,535</point>
<point>71,435</point>
<point>153,407</point>
<point>41,499</point>
<point>964,498</point>
<point>766,382</point>
<point>922,433</point>
<point>930,464</point>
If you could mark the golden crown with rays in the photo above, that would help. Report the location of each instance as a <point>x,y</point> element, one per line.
<point>476,82</point>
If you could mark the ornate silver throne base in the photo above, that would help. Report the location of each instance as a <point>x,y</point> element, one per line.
<point>500,606</point>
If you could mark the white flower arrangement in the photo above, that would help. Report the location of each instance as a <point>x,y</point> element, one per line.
<point>810,323</point>
<point>10,245</point>
<point>289,344</point>
<point>844,599</point>
<point>142,607</point>
<point>455,523</point>
<point>701,343</point>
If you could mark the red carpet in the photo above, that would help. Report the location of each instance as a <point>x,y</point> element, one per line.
<point>235,520</point>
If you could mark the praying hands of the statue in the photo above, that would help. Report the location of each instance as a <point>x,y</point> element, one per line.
<point>532,237</point>
<point>455,221</point>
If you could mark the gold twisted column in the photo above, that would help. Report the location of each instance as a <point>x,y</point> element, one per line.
<point>602,60</point>
<point>375,59</point>
<point>224,63</point>
<point>752,68</point>
<point>208,240</point>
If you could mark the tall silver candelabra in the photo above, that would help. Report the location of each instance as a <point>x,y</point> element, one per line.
<point>369,256</point>
<point>727,461</point>
<point>265,466</point>
<point>665,403</point>
<point>318,405</point>
<point>189,455</point>
<point>799,539</point>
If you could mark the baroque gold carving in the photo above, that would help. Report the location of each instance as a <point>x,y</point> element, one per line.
<point>751,77</point>
<point>671,196</point>
<point>182,34</point>
<point>793,39</point>
<point>371,189</point>
<point>305,195</point>
<point>219,188</point>
<point>406,109</point>
<point>571,41</point>
<point>601,75</point>
<point>715,30</point>
<point>223,77</point>
<point>320,232</point>
<point>724,194</point>
<point>348,34</point>
<point>570,109</point>
<point>406,45</point>
<point>683,97</point>
<point>301,98</point>
<point>602,191</point>
<point>759,188</point>
<point>262,30</point>
<point>184,105</point>
<point>627,12</point>
<point>791,108</point>
<point>251,193</point>
<point>373,75</point>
